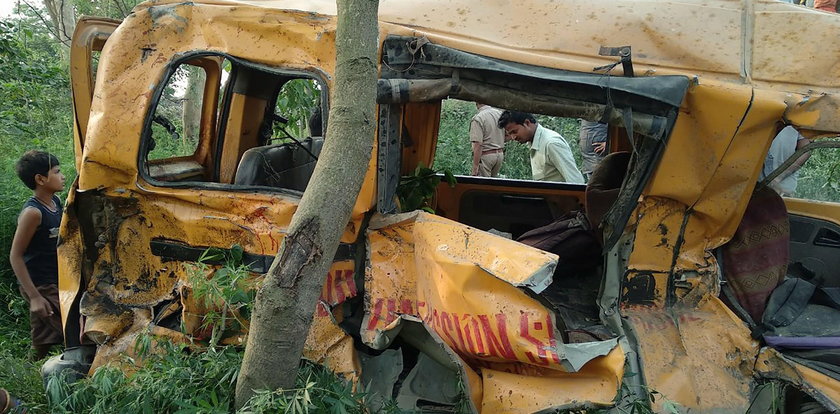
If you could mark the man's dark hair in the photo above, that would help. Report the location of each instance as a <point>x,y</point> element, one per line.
<point>315,124</point>
<point>515,117</point>
<point>32,163</point>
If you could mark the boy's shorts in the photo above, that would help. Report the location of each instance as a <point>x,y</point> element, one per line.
<point>47,330</point>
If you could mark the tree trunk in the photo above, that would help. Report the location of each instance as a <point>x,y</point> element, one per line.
<point>191,105</point>
<point>286,300</point>
<point>63,19</point>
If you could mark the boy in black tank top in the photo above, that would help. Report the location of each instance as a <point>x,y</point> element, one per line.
<point>33,254</point>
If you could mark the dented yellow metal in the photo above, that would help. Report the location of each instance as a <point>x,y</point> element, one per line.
<point>466,287</point>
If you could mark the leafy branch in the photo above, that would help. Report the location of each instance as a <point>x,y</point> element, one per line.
<point>416,191</point>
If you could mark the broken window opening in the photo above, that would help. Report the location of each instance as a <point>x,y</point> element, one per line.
<point>419,77</point>
<point>414,132</point>
<point>225,123</point>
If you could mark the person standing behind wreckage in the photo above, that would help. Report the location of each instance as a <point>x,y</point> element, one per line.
<point>593,145</point>
<point>488,141</point>
<point>551,156</point>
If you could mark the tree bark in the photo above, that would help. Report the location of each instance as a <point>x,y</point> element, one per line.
<point>286,301</point>
<point>191,105</point>
<point>63,19</point>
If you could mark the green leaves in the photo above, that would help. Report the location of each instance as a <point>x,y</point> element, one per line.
<point>169,380</point>
<point>295,102</point>
<point>319,391</point>
<point>34,84</point>
<point>629,402</point>
<point>224,291</point>
<point>819,178</point>
<point>35,113</point>
<point>415,191</point>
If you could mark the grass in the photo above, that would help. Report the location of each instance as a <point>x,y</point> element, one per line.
<point>177,379</point>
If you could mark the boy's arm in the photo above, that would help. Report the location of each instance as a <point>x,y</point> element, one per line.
<point>28,223</point>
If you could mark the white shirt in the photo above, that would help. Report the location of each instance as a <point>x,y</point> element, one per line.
<point>552,159</point>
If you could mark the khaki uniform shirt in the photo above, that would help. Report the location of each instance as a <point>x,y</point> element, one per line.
<point>552,159</point>
<point>484,128</point>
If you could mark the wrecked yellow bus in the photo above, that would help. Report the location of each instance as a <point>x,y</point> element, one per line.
<point>423,307</point>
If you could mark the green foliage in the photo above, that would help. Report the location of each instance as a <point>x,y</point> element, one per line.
<point>22,379</point>
<point>627,402</point>
<point>295,102</point>
<point>415,191</point>
<point>225,293</point>
<point>454,151</point>
<point>169,129</point>
<point>172,379</point>
<point>819,178</point>
<point>35,113</point>
<point>318,391</point>
<point>115,9</point>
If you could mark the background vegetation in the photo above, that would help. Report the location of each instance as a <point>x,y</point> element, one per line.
<point>34,113</point>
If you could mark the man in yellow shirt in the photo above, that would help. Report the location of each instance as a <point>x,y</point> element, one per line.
<point>551,156</point>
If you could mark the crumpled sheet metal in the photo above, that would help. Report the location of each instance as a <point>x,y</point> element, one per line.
<point>327,344</point>
<point>597,381</point>
<point>691,345</point>
<point>70,258</point>
<point>715,153</point>
<point>701,358</point>
<point>771,364</point>
<point>462,283</point>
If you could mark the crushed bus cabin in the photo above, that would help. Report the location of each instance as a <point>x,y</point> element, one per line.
<point>431,308</point>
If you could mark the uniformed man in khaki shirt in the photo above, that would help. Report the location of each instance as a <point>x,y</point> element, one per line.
<point>488,141</point>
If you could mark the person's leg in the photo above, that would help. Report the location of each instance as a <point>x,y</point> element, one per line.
<point>46,331</point>
<point>40,351</point>
<point>497,164</point>
<point>484,166</point>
